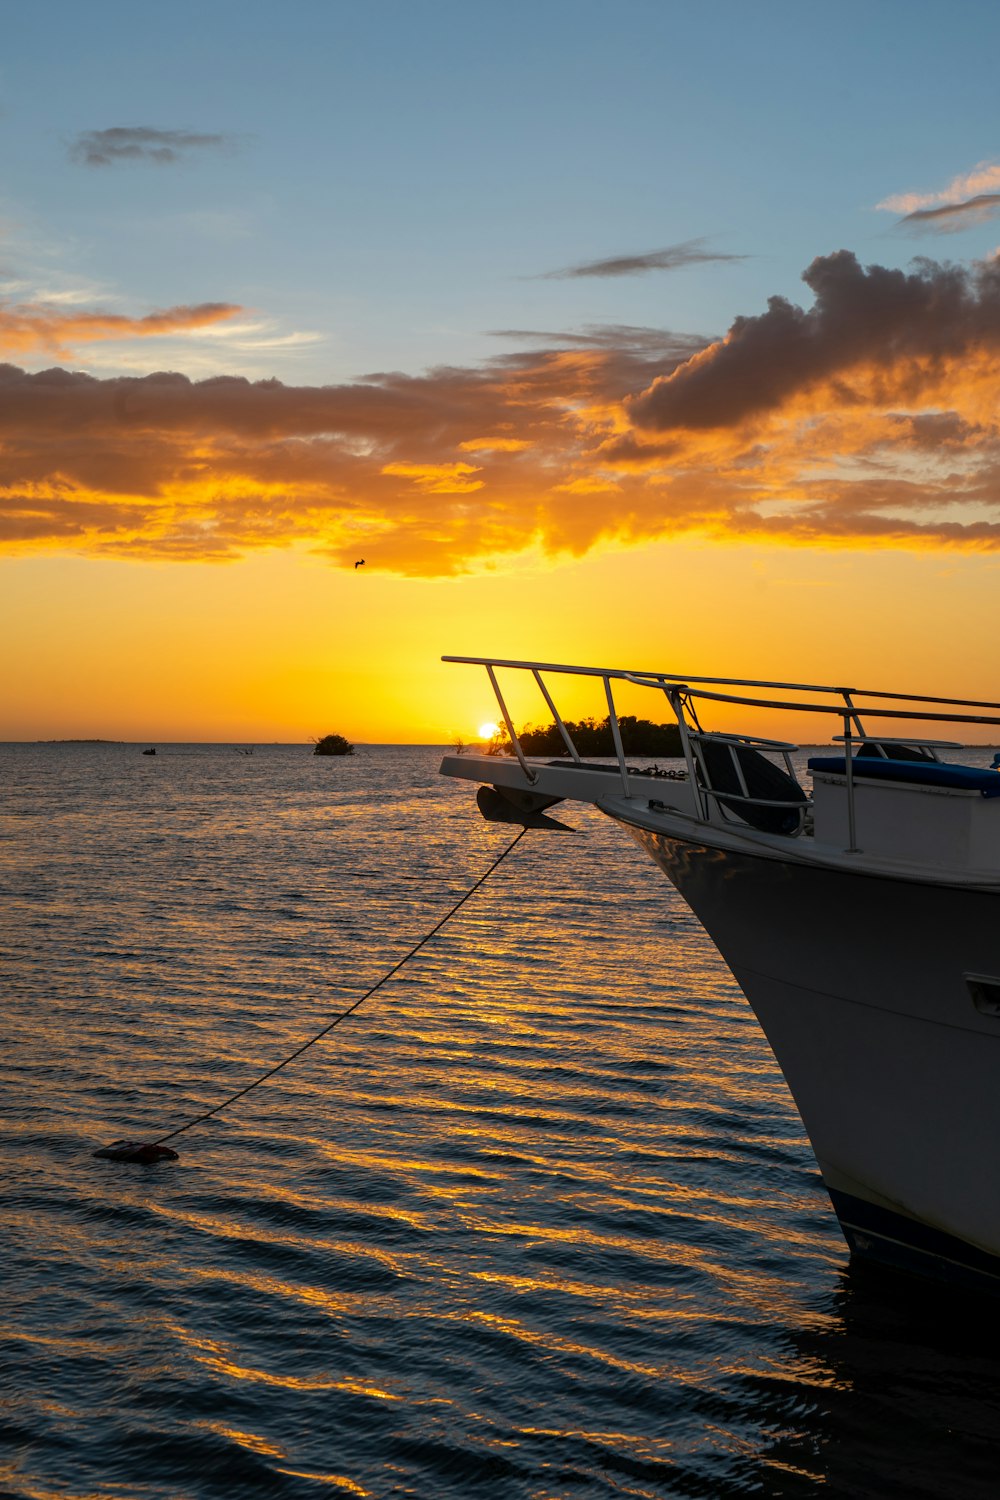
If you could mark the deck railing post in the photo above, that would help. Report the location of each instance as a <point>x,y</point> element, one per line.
<point>507,720</point>
<point>675,699</point>
<point>854,713</point>
<point>616,735</point>
<point>567,741</point>
<point>852,838</point>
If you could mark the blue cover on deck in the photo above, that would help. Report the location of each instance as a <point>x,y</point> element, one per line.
<point>920,772</point>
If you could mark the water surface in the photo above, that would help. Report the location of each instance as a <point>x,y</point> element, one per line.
<point>538,1221</point>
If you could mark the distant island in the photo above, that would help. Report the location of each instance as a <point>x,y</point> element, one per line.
<point>639,737</point>
<point>333,744</point>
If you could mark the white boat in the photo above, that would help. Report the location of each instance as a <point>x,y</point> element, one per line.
<point>860,916</point>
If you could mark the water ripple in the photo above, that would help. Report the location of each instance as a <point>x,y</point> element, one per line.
<point>539,1221</point>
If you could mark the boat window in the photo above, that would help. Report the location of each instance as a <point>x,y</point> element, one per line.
<point>985,993</point>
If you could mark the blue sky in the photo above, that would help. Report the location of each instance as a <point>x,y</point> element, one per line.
<point>396,179</point>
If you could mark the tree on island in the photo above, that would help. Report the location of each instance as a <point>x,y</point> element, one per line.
<point>639,737</point>
<point>333,744</point>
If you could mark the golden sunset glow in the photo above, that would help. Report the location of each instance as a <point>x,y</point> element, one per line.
<point>825,427</point>
<point>282,647</point>
<point>210,528</point>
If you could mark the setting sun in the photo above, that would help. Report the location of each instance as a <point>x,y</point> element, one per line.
<point>487,731</point>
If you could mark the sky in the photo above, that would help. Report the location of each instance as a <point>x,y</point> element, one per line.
<point>649,335</point>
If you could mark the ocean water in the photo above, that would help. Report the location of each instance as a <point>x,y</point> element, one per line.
<point>538,1221</point>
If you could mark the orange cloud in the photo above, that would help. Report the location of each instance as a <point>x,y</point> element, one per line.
<point>984,178</point>
<point>26,327</point>
<point>439,479</point>
<point>493,445</point>
<point>870,418</point>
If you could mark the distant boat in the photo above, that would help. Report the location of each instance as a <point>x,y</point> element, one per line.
<point>149,752</point>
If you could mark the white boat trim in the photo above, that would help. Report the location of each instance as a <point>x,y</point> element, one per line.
<point>635,809</point>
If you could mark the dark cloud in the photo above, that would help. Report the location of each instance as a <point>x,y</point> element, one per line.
<point>140,143</point>
<point>872,419</point>
<point>442,469</point>
<point>660,343</point>
<point>935,432</point>
<point>950,218</point>
<point>30,518</point>
<point>864,319</point>
<point>673,258</point>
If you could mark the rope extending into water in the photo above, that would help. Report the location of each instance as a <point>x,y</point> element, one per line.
<point>197,1120</point>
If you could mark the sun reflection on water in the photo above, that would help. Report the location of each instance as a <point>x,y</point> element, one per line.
<point>542,1208</point>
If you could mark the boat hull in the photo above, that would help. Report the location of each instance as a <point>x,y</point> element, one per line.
<point>894,1070</point>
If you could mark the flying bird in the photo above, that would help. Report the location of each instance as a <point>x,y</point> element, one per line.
<point>360,563</point>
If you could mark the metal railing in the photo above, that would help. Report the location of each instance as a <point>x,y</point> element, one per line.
<point>723,797</point>
<point>684,692</point>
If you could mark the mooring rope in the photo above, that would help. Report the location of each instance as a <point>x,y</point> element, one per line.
<point>197,1120</point>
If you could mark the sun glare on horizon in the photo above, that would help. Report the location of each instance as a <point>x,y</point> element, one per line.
<point>487,731</point>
